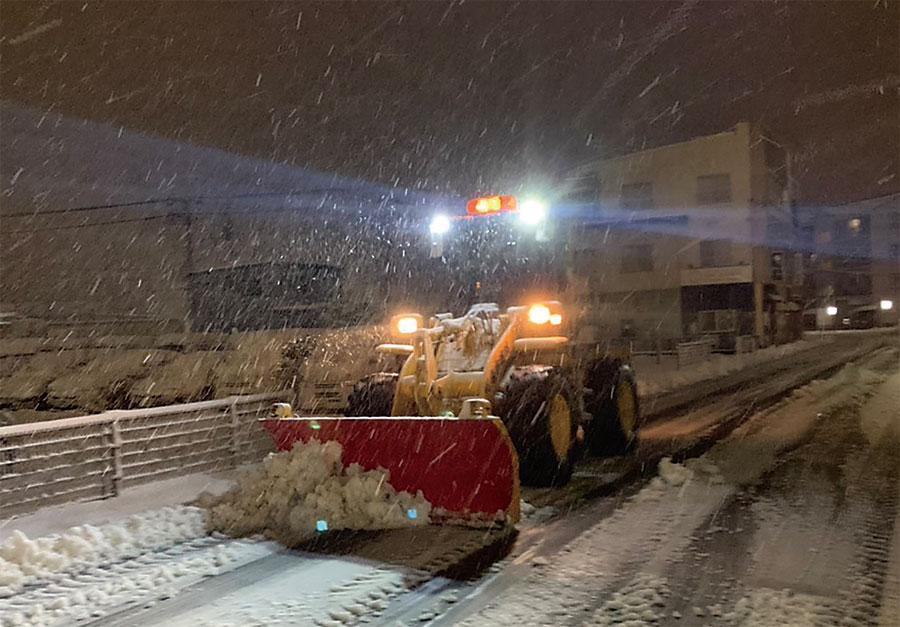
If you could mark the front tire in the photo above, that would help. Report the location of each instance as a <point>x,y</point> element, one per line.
<point>612,405</point>
<point>541,409</point>
<point>373,395</point>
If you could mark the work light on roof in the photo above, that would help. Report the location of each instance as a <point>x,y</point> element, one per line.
<point>532,211</point>
<point>484,205</point>
<point>440,224</point>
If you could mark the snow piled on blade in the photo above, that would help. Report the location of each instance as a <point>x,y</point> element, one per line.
<point>24,560</point>
<point>295,494</point>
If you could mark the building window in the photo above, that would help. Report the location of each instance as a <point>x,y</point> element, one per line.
<point>584,188</point>
<point>637,258</point>
<point>715,253</point>
<point>637,196</point>
<point>713,189</point>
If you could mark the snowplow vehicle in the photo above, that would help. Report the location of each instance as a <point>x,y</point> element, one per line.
<point>478,403</point>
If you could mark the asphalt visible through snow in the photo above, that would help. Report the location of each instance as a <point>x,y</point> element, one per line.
<point>788,521</point>
<point>809,544</point>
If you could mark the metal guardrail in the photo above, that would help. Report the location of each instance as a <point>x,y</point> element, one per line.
<point>94,457</point>
<point>690,353</point>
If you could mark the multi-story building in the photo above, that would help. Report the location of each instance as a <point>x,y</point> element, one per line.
<point>689,239</point>
<point>855,262</point>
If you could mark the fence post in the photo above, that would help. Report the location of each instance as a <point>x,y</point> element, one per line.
<point>235,424</point>
<point>116,438</point>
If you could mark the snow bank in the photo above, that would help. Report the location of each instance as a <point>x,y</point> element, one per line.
<point>536,515</point>
<point>63,598</point>
<point>640,602</point>
<point>294,494</point>
<point>656,379</point>
<point>24,560</point>
<point>674,475</point>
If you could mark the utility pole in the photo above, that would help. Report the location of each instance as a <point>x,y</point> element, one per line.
<point>187,266</point>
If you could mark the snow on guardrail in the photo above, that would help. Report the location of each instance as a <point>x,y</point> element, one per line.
<point>93,457</point>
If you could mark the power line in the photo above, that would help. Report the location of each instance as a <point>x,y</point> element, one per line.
<point>196,199</point>
<point>86,225</point>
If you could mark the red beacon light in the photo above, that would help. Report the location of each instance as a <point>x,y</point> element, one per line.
<point>484,205</point>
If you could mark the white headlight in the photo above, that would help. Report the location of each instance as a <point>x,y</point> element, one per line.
<point>532,211</point>
<point>539,314</point>
<point>831,310</point>
<point>887,305</point>
<point>407,325</point>
<point>440,224</point>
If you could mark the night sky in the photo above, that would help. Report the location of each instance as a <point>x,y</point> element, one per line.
<point>474,96</point>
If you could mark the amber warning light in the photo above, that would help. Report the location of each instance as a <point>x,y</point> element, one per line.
<point>491,204</point>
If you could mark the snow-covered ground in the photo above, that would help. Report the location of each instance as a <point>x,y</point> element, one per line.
<point>327,592</point>
<point>673,553</point>
<point>92,569</point>
<point>132,500</point>
<point>630,566</point>
<point>88,570</point>
<point>665,376</point>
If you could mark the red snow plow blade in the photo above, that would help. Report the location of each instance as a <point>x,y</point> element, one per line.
<point>465,467</point>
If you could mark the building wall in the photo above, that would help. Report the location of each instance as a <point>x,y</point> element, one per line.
<point>138,269</point>
<point>59,271</point>
<point>690,220</point>
<point>674,169</point>
<point>857,257</point>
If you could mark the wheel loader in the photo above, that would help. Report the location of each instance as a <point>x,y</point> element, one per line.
<point>477,403</point>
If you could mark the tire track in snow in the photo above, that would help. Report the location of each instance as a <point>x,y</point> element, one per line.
<point>624,559</point>
<point>136,580</point>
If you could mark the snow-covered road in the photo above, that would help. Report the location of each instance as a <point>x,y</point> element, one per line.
<point>788,521</point>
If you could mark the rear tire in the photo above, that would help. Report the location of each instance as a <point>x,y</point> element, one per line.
<point>612,406</point>
<point>541,409</point>
<point>373,395</point>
